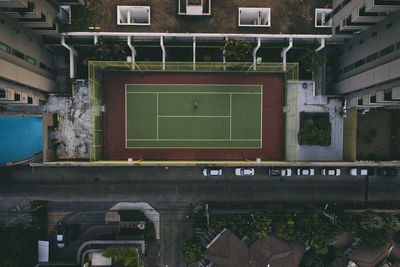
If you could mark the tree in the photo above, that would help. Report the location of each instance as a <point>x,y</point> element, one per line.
<point>192,250</point>
<point>237,51</point>
<point>129,256</point>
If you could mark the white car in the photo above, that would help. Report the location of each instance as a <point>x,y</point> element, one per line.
<point>330,172</point>
<point>358,171</point>
<point>244,172</point>
<point>305,171</point>
<point>212,172</point>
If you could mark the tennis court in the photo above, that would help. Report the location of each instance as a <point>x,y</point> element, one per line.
<point>153,116</point>
<point>193,116</point>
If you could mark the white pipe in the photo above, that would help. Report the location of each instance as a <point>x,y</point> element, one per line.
<point>133,50</point>
<point>255,53</point>
<point>72,53</point>
<point>321,46</point>
<point>163,51</point>
<point>194,53</point>
<point>223,53</point>
<point>202,35</point>
<point>95,39</point>
<point>284,51</point>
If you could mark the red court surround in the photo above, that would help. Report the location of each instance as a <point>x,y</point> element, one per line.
<point>114,117</point>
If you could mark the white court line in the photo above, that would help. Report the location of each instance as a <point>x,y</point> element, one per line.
<point>183,116</point>
<point>211,93</point>
<point>166,139</point>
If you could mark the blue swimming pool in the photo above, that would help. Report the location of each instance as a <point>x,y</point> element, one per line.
<point>20,137</point>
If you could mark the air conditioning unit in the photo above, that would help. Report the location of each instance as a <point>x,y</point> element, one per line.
<point>6,94</point>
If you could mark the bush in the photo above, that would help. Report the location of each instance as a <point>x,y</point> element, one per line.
<point>314,136</point>
<point>192,250</point>
<point>237,51</point>
<point>129,256</point>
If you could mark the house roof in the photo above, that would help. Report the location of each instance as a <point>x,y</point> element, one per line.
<point>228,250</point>
<point>369,257</point>
<point>287,17</point>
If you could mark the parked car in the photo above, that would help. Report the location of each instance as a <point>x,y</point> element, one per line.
<point>387,171</point>
<point>330,172</point>
<point>244,172</point>
<point>358,171</point>
<point>212,172</point>
<point>60,235</point>
<point>280,172</point>
<point>305,171</point>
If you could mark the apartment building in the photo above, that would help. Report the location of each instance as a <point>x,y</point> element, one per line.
<point>369,72</point>
<point>27,65</point>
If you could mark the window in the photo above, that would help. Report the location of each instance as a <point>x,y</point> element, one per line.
<point>133,15</point>
<point>387,51</point>
<point>348,68</point>
<point>42,102</point>
<point>372,57</point>
<point>18,54</point>
<point>323,17</point>
<point>42,66</point>
<point>254,17</point>
<point>17,97</point>
<point>361,42</point>
<point>31,60</point>
<point>360,102</point>
<point>30,100</point>
<point>372,99</point>
<point>5,48</point>
<point>2,93</point>
<point>398,46</point>
<point>359,63</point>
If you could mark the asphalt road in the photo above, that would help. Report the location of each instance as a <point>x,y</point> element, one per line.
<point>172,190</point>
<point>187,184</point>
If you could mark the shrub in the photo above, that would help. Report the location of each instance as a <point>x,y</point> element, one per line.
<point>237,51</point>
<point>129,256</point>
<point>192,250</point>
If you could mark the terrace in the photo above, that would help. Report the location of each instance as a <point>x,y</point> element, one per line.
<point>286,17</point>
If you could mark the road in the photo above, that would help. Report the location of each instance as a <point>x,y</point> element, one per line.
<point>187,184</point>
<point>172,190</point>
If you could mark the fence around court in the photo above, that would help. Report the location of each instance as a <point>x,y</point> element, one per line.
<point>96,68</point>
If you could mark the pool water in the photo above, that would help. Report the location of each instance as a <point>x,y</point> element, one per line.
<point>20,137</point>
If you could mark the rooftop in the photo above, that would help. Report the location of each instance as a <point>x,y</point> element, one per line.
<point>287,17</point>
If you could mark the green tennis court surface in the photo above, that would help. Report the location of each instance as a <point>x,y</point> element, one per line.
<point>166,116</point>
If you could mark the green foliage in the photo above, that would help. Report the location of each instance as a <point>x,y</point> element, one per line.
<point>283,226</point>
<point>192,250</point>
<point>311,135</point>
<point>237,51</point>
<point>108,51</point>
<point>128,256</point>
<point>376,229</point>
<point>81,18</point>
<point>261,223</point>
<point>315,231</point>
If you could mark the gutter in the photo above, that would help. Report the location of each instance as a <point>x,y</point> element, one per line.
<point>133,50</point>
<point>255,53</point>
<point>72,53</point>
<point>321,46</point>
<point>284,51</point>
<point>164,53</point>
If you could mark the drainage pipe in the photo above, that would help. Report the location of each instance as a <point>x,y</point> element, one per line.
<point>284,51</point>
<point>321,46</point>
<point>72,54</point>
<point>255,53</point>
<point>163,51</point>
<point>133,50</point>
